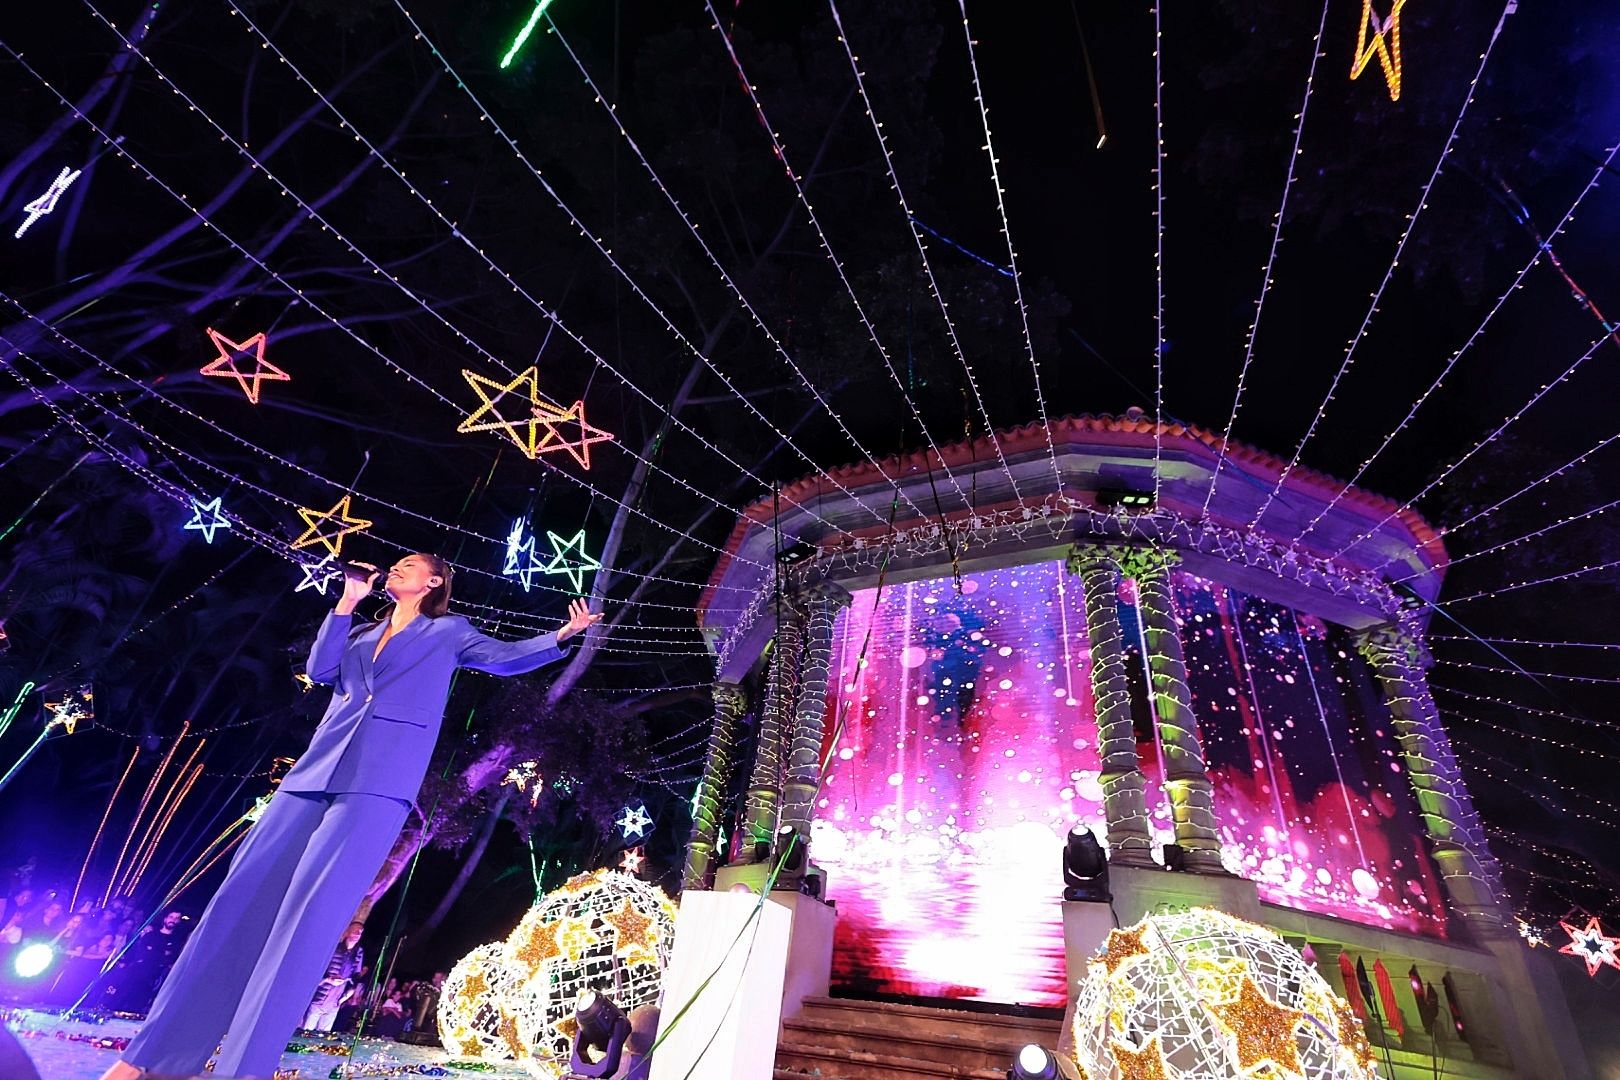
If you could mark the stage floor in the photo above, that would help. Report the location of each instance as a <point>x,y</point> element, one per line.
<point>60,1051</point>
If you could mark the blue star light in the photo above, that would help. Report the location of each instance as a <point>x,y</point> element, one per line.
<point>207,525</point>
<point>634,821</point>
<point>520,561</point>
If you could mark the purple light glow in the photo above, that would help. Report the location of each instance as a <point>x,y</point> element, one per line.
<point>969,750</point>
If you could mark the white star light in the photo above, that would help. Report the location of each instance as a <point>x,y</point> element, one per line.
<point>634,821</point>
<point>47,202</point>
<point>520,561</point>
<point>207,525</point>
<point>318,575</point>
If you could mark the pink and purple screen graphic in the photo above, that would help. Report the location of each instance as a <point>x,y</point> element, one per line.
<point>968,750</point>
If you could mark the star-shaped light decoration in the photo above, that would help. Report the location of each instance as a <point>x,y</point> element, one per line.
<point>75,705</point>
<point>541,944</point>
<point>215,519</point>
<point>1348,1030</point>
<point>632,859</point>
<point>1591,944</point>
<point>633,940</point>
<point>560,564</point>
<point>1123,945</point>
<point>320,574</point>
<point>224,366</point>
<point>576,938</point>
<point>536,410</point>
<point>333,541</point>
<point>520,561</point>
<point>1264,1029</point>
<point>570,432</point>
<point>1383,42</point>
<point>525,776</point>
<point>47,202</point>
<point>1146,1063</point>
<point>634,821</point>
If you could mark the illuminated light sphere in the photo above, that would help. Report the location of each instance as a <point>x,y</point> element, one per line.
<point>605,931</point>
<point>474,1020</point>
<point>1200,993</point>
<point>514,1000</point>
<point>33,960</point>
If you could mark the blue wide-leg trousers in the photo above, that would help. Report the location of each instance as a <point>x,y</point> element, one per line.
<point>249,970</point>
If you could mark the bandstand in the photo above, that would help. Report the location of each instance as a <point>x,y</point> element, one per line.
<point>935,666</point>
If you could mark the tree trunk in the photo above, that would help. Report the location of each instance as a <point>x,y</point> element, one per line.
<point>475,855</point>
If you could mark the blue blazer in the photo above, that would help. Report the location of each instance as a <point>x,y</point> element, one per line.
<point>378,733</point>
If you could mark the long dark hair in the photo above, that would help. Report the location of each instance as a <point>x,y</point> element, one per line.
<point>437,601</point>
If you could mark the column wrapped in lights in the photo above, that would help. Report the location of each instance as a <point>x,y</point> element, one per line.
<point>765,785</point>
<point>729,702</point>
<point>1398,660</point>
<point>1186,781</point>
<point>1130,832</point>
<point>821,603</point>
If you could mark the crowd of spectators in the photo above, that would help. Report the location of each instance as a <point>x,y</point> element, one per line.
<point>97,955</point>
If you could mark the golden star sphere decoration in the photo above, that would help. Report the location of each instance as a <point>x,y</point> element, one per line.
<point>576,938</point>
<point>632,939</point>
<point>1265,1030</point>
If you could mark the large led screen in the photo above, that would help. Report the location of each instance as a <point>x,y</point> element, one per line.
<point>966,749</point>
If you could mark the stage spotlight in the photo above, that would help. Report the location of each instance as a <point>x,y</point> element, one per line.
<point>1036,1062</point>
<point>796,553</point>
<point>1125,498</point>
<point>603,1030</point>
<point>33,960</point>
<point>1085,866</point>
<point>791,851</point>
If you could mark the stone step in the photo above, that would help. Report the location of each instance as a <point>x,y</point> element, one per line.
<point>897,1020</point>
<point>946,1043</point>
<point>795,1061</point>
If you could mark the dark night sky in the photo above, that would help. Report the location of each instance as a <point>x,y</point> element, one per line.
<point>1545,114</point>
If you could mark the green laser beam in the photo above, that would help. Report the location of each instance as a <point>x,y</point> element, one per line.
<point>523,34</point>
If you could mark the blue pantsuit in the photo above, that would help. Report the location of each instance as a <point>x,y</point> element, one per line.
<point>249,969</point>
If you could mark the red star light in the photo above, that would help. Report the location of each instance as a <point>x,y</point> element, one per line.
<point>224,366</point>
<point>559,427</point>
<point>1591,944</point>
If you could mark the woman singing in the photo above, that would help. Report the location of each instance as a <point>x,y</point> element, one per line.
<point>249,969</point>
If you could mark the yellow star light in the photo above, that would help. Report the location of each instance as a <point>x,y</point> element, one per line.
<point>539,413</point>
<point>576,939</point>
<point>475,987</point>
<point>541,946</point>
<point>1347,1028</point>
<point>1384,43</point>
<point>1123,945</point>
<point>633,940</point>
<point>333,541</point>
<point>1264,1029</point>
<point>1144,1064</point>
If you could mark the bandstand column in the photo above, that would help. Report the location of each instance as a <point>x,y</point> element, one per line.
<point>1398,660</point>
<point>1130,832</point>
<point>729,702</point>
<point>821,605</point>
<point>764,798</point>
<point>1186,780</point>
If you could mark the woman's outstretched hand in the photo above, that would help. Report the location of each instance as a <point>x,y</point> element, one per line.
<point>580,619</point>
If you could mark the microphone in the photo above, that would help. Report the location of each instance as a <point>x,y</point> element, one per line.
<point>359,571</point>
